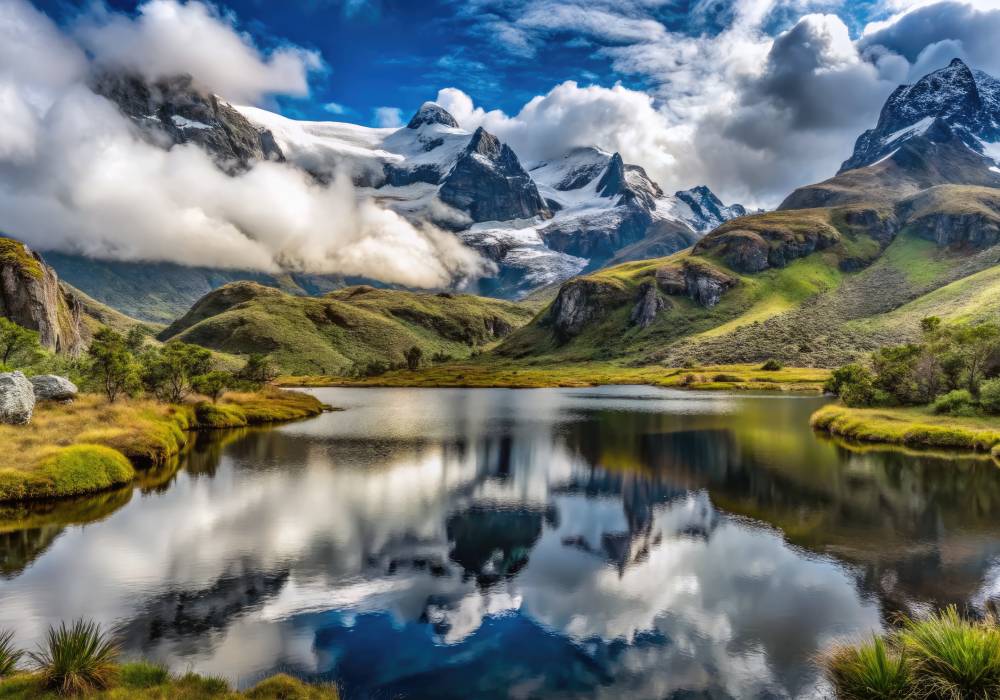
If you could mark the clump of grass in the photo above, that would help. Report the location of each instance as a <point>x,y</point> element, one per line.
<point>77,659</point>
<point>772,366</point>
<point>954,658</point>
<point>284,687</point>
<point>140,675</point>
<point>193,685</point>
<point>216,416</point>
<point>870,671</point>
<point>10,656</point>
<point>67,471</point>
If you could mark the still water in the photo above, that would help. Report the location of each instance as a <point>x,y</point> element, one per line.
<point>615,542</point>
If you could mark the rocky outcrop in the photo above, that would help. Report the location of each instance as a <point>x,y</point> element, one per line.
<point>17,399</point>
<point>648,306</point>
<point>954,216</point>
<point>31,296</point>
<point>51,387</point>
<point>173,111</point>
<point>580,302</point>
<point>598,238</point>
<point>707,210</point>
<point>432,113</point>
<point>956,230</point>
<point>756,243</point>
<point>699,281</point>
<point>489,184</point>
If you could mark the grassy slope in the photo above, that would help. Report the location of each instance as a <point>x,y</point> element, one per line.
<point>142,681</point>
<point>91,445</point>
<point>329,334</point>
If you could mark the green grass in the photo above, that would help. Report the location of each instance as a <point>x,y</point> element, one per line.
<point>912,427</point>
<point>90,445</point>
<point>869,671</point>
<point>350,327</point>
<point>10,656</point>
<point>16,253</point>
<point>940,657</point>
<point>77,659</point>
<point>144,681</point>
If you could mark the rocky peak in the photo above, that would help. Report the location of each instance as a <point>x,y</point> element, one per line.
<point>707,210</point>
<point>174,110</point>
<point>31,296</point>
<point>967,101</point>
<point>629,183</point>
<point>485,144</point>
<point>432,113</point>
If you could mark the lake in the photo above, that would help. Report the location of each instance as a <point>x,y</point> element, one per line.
<point>447,543</point>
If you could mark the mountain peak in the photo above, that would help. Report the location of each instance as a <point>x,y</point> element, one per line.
<point>707,210</point>
<point>432,113</point>
<point>967,101</point>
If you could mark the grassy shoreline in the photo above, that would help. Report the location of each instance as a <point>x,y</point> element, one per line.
<point>91,445</point>
<point>492,374</point>
<point>146,681</point>
<point>910,427</point>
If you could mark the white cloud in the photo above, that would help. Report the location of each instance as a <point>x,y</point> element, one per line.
<point>75,176</point>
<point>388,117</point>
<point>336,108</point>
<point>167,37</point>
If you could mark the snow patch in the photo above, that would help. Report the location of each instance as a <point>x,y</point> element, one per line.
<point>183,123</point>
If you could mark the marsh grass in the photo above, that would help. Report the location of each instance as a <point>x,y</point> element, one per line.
<point>870,671</point>
<point>77,659</point>
<point>142,674</point>
<point>10,656</point>
<point>954,659</point>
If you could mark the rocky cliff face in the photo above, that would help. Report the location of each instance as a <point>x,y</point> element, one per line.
<point>31,296</point>
<point>488,183</point>
<point>174,111</point>
<point>580,302</point>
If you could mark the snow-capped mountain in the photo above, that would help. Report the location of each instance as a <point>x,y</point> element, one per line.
<point>955,98</point>
<point>541,224</point>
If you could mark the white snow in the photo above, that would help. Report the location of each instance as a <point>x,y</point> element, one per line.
<point>991,150</point>
<point>183,123</point>
<point>916,129</point>
<point>886,157</point>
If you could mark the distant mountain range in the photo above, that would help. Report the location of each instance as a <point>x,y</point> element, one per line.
<point>541,222</point>
<point>910,227</point>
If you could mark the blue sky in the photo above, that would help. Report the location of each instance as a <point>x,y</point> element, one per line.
<point>751,97</point>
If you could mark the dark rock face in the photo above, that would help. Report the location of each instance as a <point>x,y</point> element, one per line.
<point>629,183</point>
<point>649,304</point>
<point>432,113</point>
<point>955,230</point>
<point>31,296</point>
<point>701,283</point>
<point>580,301</point>
<point>966,100</point>
<point>757,243</point>
<point>598,238</point>
<point>174,111</point>
<point>489,184</point>
<point>708,210</point>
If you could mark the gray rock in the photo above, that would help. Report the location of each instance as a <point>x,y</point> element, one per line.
<point>649,304</point>
<point>17,399</point>
<point>51,387</point>
<point>701,283</point>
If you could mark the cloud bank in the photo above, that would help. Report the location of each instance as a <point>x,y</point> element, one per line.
<point>76,177</point>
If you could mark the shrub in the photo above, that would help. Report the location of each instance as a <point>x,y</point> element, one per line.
<point>284,687</point>
<point>142,674</point>
<point>112,367</point>
<point>955,403</point>
<point>989,396</point>
<point>10,656</point>
<point>413,357</point>
<point>77,659</point>
<point>258,370</point>
<point>730,378</point>
<point>212,384</point>
<point>18,346</point>
<point>869,671</point>
<point>954,658</point>
<point>772,366</point>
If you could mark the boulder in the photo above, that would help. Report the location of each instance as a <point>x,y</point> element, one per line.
<point>647,306</point>
<point>51,387</point>
<point>17,399</point>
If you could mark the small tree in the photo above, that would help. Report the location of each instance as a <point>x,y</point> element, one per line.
<point>258,370</point>
<point>168,373</point>
<point>135,339</point>
<point>413,357</point>
<point>112,367</point>
<point>17,343</point>
<point>212,384</point>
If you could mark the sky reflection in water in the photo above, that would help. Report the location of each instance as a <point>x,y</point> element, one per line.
<point>613,542</point>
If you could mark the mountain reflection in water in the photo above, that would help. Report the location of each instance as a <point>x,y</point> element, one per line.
<point>615,542</point>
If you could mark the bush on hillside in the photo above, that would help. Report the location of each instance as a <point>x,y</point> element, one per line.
<point>958,402</point>
<point>989,396</point>
<point>772,366</point>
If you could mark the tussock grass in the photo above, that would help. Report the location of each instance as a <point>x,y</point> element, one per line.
<point>90,445</point>
<point>77,659</point>
<point>10,655</point>
<point>870,671</point>
<point>913,427</point>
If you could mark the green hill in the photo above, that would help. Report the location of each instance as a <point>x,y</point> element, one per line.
<point>842,268</point>
<point>345,329</point>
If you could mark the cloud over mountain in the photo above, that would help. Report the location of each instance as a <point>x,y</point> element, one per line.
<point>76,176</point>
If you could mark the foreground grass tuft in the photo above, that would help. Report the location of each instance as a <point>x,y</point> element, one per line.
<point>870,671</point>
<point>10,655</point>
<point>142,674</point>
<point>77,659</point>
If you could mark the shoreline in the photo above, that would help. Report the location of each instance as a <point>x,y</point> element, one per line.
<point>909,427</point>
<point>90,446</point>
<point>744,377</point>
